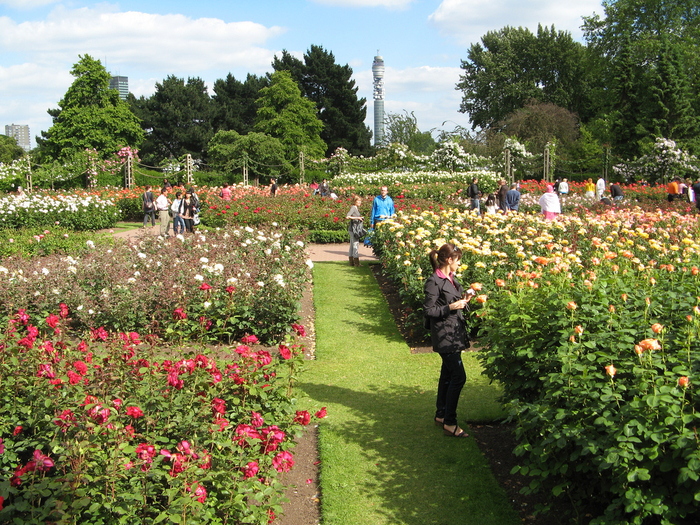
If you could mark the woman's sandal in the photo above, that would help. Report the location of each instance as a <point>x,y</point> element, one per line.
<point>439,422</point>
<point>453,433</point>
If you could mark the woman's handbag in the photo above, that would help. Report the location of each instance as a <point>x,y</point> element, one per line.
<point>195,219</point>
<point>358,230</point>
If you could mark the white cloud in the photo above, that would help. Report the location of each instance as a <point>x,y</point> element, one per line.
<point>391,4</point>
<point>151,41</point>
<point>468,20</point>
<point>427,91</point>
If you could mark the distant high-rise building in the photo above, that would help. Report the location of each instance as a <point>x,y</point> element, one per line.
<point>121,84</point>
<point>21,134</point>
<point>378,75</point>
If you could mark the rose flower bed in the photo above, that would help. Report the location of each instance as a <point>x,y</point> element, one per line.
<point>214,286</point>
<point>592,326</point>
<point>103,430</point>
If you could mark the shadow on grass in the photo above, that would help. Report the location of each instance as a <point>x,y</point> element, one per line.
<point>420,475</point>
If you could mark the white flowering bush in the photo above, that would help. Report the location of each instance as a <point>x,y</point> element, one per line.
<point>413,177</point>
<point>13,175</point>
<point>665,162</point>
<point>74,211</point>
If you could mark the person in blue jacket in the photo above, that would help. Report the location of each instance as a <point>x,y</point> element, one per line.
<point>382,207</point>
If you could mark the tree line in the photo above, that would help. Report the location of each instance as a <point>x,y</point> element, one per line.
<point>636,78</point>
<point>308,105</point>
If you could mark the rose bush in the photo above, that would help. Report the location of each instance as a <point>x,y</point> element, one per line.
<point>226,284</point>
<point>110,429</point>
<point>592,328</point>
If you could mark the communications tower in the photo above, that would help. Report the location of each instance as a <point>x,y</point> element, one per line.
<point>378,75</point>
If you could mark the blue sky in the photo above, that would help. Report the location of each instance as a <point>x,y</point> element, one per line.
<point>422,42</point>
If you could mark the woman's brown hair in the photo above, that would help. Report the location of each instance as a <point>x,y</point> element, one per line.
<point>438,258</point>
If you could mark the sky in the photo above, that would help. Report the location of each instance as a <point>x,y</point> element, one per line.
<point>422,43</point>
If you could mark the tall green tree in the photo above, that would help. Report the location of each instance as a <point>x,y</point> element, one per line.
<point>647,52</point>
<point>539,123</point>
<point>90,115</point>
<point>331,87</point>
<point>9,149</point>
<point>264,155</point>
<point>233,103</point>
<point>283,113</point>
<point>512,66</point>
<point>176,118</point>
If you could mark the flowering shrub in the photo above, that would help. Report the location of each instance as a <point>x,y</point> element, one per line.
<point>225,284</point>
<point>665,161</point>
<point>77,212</point>
<point>592,325</point>
<point>104,431</point>
<point>487,179</point>
<point>36,242</point>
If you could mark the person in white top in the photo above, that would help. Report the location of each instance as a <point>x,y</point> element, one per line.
<point>599,188</point>
<point>162,206</point>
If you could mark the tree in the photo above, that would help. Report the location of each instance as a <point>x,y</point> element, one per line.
<point>647,51</point>
<point>90,115</point>
<point>331,88</point>
<point>176,119</point>
<point>403,129</point>
<point>264,155</point>
<point>514,66</point>
<point>233,103</point>
<point>9,149</point>
<point>283,113</point>
<point>539,123</point>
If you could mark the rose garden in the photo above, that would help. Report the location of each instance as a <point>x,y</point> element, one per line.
<point>155,380</point>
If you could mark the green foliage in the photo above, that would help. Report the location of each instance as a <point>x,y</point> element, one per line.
<point>514,66</point>
<point>177,119</point>
<point>233,103</point>
<point>90,116</point>
<point>328,236</point>
<point>264,155</point>
<point>403,129</point>
<point>38,242</point>
<point>9,150</point>
<point>331,88</point>
<point>284,114</point>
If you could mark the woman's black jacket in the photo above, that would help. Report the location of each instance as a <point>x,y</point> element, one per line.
<point>448,330</point>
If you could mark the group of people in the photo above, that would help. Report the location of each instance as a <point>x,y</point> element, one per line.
<point>506,199</point>
<point>679,189</point>
<point>183,209</point>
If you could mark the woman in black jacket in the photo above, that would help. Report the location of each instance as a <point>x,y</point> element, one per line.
<point>444,301</point>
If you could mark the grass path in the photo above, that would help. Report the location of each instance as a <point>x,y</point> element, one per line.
<point>382,458</point>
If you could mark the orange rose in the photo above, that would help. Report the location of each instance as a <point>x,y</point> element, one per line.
<point>611,308</point>
<point>624,297</point>
<point>656,328</point>
<point>476,287</point>
<point>683,381</point>
<point>638,350</point>
<point>571,305</point>
<point>481,298</point>
<point>650,344</point>
<point>579,329</point>
<point>500,283</point>
<point>611,370</point>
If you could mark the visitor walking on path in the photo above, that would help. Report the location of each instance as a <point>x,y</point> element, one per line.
<point>149,207</point>
<point>474,194</point>
<point>178,222</point>
<point>354,225</point>
<point>162,204</point>
<point>549,202</point>
<point>444,303</point>
<point>382,207</point>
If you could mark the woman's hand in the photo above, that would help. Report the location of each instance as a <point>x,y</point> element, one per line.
<point>459,305</point>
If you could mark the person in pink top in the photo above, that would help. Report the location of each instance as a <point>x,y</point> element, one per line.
<point>225,192</point>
